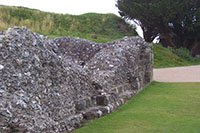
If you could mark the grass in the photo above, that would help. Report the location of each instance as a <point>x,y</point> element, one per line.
<point>92,26</point>
<point>166,57</point>
<point>160,108</point>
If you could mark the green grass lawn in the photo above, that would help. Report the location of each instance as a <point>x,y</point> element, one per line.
<point>160,108</point>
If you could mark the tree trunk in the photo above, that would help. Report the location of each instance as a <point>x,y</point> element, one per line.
<point>194,47</point>
<point>167,40</point>
<point>171,39</point>
<point>148,34</point>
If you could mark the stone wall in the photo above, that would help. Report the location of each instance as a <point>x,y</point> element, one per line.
<point>55,85</point>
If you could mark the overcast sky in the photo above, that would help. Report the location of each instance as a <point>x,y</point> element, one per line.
<point>75,7</point>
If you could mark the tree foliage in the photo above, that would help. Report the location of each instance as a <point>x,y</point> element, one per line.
<point>176,22</point>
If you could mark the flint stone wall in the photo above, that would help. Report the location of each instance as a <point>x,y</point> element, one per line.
<point>55,85</point>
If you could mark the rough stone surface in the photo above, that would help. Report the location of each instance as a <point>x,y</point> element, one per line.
<point>55,85</point>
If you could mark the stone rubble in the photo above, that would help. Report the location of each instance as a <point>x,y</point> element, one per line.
<point>56,85</point>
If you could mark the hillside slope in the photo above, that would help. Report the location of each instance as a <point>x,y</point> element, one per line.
<point>92,26</point>
<point>166,57</point>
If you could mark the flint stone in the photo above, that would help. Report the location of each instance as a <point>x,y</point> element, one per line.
<point>54,85</point>
<point>102,100</point>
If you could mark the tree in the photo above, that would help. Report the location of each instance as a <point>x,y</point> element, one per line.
<point>176,22</point>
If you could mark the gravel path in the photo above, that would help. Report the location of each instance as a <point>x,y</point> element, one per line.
<point>178,74</point>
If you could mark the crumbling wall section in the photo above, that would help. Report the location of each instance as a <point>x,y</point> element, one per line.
<point>55,85</point>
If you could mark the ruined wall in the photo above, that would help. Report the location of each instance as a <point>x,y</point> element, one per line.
<point>55,85</point>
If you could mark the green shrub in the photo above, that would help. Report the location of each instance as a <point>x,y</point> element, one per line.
<point>183,53</point>
<point>169,57</point>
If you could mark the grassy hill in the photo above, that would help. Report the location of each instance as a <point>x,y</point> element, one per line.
<point>92,26</point>
<point>168,57</point>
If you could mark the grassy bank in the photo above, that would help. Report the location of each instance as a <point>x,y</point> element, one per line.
<point>160,108</point>
<point>92,26</point>
<point>167,57</point>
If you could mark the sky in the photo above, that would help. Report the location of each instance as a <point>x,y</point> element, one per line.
<point>75,7</point>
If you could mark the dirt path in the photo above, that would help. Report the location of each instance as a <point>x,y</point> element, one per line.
<point>178,74</point>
